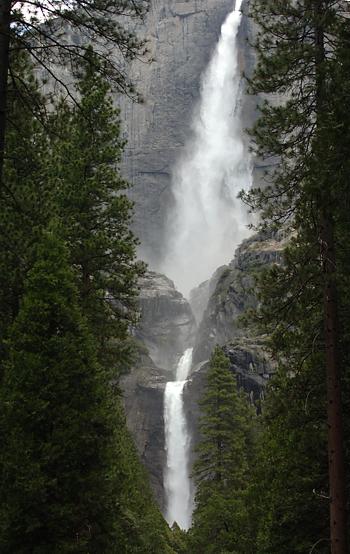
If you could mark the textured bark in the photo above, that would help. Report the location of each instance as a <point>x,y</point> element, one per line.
<point>5,10</point>
<point>336,461</point>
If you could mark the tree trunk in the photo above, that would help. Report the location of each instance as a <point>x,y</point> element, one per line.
<point>5,11</point>
<point>336,462</point>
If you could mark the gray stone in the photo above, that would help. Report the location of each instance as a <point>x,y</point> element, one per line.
<point>233,293</point>
<point>181,37</point>
<point>143,393</point>
<point>167,323</point>
<point>165,330</point>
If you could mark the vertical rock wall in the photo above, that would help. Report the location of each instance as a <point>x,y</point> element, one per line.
<point>181,37</point>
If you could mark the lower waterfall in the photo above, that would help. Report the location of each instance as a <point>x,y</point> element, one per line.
<point>176,477</point>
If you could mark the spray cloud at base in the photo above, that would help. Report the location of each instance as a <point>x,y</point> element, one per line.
<point>207,220</point>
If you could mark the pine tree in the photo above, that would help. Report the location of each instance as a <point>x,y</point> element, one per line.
<point>71,480</point>
<point>291,482</point>
<point>296,57</point>
<point>58,493</point>
<point>97,213</point>
<point>53,43</point>
<point>25,195</point>
<point>220,519</point>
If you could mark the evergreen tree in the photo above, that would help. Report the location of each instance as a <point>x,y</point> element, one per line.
<point>59,492</point>
<point>91,201</point>
<point>291,483</point>
<point>71,480</point>
<point>220,519</point>
<point>25,194</point>
<point>69,27</point>
<point>297,48</point>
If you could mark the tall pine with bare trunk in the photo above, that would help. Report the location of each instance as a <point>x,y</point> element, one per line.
<point>297,54</point>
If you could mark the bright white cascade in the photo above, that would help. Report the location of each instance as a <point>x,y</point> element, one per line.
<point>176,478</point>
<point>208,220</point>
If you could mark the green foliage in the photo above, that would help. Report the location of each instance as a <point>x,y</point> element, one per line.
<point>25,194</point>
<point>96,212</point>
<point>220,519</point>
<point>57,423</point>
<point>302,51</point>
<point>71,480</point>
<point>291,477</point>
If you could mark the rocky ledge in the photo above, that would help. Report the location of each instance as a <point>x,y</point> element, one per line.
<point>167,323</point>
<point>165,329</point>
<point>233,292</point>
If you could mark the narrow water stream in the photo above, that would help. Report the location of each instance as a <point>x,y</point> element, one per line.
<point>176,478</point>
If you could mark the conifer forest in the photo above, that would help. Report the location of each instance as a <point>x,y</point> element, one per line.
<point>174,277</point>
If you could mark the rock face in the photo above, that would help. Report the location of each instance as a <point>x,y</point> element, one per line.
<point>199,296</point>
<point>167,327</point>
<point>181,37</point>
<point>143,390</point>
<point>233,293</point>
<point>252,365</point>
<point>167,324</point>
<point>165,330</point>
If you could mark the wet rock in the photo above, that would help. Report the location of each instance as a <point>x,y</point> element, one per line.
<point>167,323</point>
<point>233,292</point>
<point>143,393</point>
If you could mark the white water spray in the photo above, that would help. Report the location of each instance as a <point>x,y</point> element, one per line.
<point>208,223</point>
<point>176,478</point>
<point>208,220</point>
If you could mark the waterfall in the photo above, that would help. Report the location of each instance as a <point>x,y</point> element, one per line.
<point>176,478</point>
<point>208,221</point>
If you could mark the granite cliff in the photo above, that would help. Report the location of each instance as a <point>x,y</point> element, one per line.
<point>232,292</point>
<point>167,327</point>
<point>181,37</point>
<point>165,330</point>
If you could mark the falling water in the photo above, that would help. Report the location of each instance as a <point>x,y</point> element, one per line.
<point>208,220</point>
<point>176,479</point>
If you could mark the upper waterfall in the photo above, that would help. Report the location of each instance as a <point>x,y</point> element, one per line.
<point>208,221</point>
